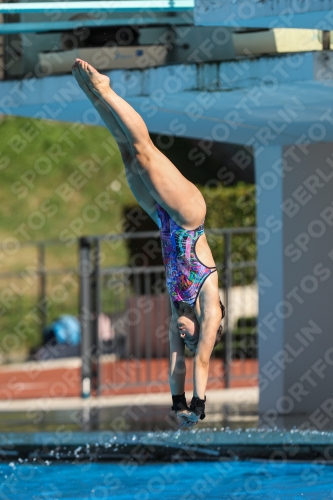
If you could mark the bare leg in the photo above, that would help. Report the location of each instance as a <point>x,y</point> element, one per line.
<point>182,200</point>
<point>134,180</point>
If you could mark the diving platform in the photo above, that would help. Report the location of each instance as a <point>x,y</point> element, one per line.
<point>255,102</point>
<point>141,447</point>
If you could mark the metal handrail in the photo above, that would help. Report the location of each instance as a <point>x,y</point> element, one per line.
<point>89,251</point>
<point>155,234</point>
<point>15,28</point>
<point>91,278</point>
<point>131,270</point>
<point>97,6</point>
<point>129,235</point>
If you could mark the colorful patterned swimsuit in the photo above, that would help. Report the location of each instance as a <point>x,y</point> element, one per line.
<point>185,274</point>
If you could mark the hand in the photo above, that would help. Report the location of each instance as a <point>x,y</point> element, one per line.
<point>187,418</point>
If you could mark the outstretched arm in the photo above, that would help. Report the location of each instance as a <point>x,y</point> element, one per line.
<point>204,350</point>
<point>210,319</point>
<point>177,367</point>
<point>209,327</point>
<point>177,374</point>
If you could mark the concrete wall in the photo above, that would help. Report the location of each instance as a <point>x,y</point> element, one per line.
<point>295,254</point>
<point>308,274</point>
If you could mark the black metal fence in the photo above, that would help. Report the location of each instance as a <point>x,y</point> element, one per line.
<point>136,300</point>
<point>124,311</point>
<point>33,292</point>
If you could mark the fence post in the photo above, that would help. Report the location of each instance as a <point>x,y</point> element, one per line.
<point>96,307</point>
<point>228,333</point>
<point>85,272</point>
<point>42,285</point>
<point>326,36</point>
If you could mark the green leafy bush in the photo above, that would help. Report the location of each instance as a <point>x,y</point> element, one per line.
<point>244,344</point>
<point>231,207</point>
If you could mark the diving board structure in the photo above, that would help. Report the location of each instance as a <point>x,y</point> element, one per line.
<point>281,108</point>
<point>42,27</point>
<point>265,13</point>
<point>101,6</point>
<point>140,12</point>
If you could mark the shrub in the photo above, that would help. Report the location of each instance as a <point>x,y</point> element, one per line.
<point>231,207</point>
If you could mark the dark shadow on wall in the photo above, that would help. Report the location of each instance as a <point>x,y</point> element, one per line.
<point>203,161</point>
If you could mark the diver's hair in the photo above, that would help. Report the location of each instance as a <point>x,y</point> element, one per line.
<point>219,333</point>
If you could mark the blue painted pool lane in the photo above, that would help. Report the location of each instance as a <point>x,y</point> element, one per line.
<point>251,480</point>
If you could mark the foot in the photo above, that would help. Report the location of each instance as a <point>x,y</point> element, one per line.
<point>94,98</point>
<point>187,418</point>
<point>82,84</point>
<point>96,82</point>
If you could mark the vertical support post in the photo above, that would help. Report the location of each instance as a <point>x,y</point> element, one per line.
<point>227,331</point>
<point>42,285</point>
<point>270,272</point>
<point>2,50</point>
<point>85,272</point>
<point>96,307</point>
<point>326,40</point>
<point>148,353</point>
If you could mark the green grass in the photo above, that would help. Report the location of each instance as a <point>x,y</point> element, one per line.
<point>47,195</point>
<point>56,185</point>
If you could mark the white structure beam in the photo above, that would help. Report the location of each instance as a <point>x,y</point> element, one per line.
<point>228,102</point>
<point>98,6</point>
<point>16,28</point>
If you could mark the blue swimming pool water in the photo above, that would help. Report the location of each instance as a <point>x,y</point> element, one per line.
<point>250,480</point>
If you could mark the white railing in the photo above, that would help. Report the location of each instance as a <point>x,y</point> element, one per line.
<point>112,6</point>
<point>15,28</point>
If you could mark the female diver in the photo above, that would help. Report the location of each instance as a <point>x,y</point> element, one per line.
<point>177,207</point>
